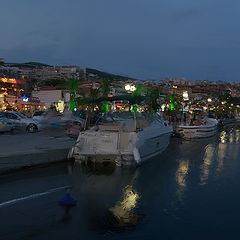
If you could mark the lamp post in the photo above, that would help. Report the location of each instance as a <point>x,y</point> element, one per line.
<point>130,87</point>
<point>185,96</point>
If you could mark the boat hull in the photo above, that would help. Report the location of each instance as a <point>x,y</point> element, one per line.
<point>124,148</point>
<point>206,130</point>
<point>197,132</point>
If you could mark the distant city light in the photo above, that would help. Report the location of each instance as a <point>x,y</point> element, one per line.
<point>185,96</point>
<point>132,88</point>
<point>209,100</point>
<point>163,107</point>
<point>127,87</point>
<point>60,106</point>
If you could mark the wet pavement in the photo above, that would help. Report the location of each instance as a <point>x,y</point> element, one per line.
<point>191,191</point>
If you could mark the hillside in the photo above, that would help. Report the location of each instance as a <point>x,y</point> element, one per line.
<point>27,64</point>
<point>106,75</point>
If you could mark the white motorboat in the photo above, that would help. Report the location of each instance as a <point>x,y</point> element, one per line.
<point>126,138</point>
<point>207,128</point>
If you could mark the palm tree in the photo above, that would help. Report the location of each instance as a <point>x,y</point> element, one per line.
<point>175,101</point>
<point>105,89</point>
<point>153,95</point>
<point>73,86</point>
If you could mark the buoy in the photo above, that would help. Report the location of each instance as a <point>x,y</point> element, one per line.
<point>68,201</point>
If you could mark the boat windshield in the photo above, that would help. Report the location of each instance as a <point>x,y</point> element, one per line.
<point>113,117</point>
<point>138,120</point>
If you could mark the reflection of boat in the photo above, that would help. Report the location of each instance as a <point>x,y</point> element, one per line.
<point>229,121</point>
<point>207,128</point>
<point>126,138</point>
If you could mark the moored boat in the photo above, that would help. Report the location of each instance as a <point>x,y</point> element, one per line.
<point>125,138</point>
<point>207,128</point>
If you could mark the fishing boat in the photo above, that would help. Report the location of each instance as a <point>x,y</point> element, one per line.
<point>206,128</point>
<point>127,138</point>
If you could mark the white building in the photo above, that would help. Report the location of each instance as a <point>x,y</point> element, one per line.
<point>50,96</point>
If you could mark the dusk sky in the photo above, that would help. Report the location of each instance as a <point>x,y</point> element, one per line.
<point>146,39</point>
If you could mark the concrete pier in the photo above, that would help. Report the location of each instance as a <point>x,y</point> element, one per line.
<point>22,150</point>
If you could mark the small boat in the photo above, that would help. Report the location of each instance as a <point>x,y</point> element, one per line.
<point>126,138</point>
<point>207,128</point>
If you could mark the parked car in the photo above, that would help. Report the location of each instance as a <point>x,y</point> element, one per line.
<point>20,121</point>
<point>82,115</point>
<point>38,115</point>
<point>6,125</point>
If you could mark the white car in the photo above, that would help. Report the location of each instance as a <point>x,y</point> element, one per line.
<point>20,121</point>
<point>5,125</point>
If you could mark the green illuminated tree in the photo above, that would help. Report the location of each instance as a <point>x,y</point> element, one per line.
<point>105,90</point>
<point>139,90</point>
<point>72,84</point>
<point>175,101</point>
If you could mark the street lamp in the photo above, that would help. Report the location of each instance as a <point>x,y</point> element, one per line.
<point>209,100</point>
<point>185,96</point>
<point>130,87</point>
<point>127,87</point>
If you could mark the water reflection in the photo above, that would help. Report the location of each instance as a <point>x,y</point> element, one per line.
<point>231,137</point>
<point>207,161</point>
<point>222,150</point>
<point>237,136</point>
<point>181,177</point>
<point>223,137</point>
<point>123,211</point>
<point>109,196</point>
<point>182,172</point>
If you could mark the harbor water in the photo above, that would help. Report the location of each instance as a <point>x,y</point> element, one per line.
<point>190,191</point>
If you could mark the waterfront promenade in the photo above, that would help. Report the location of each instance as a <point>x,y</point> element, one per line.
<point>22,150</point>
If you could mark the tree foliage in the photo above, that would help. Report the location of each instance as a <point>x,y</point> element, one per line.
<point>72,83</point>
<point>105,87</point>
<point>175,101</point>
<point>153,95</point>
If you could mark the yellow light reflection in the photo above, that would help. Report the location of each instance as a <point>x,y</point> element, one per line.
<point>181,178</point>
<point>222,148</point>
<point>223,137</point>
<point>123,209</point>
<point>207,161</point>
<point>231,137</point>
<point>182,172</point>
<point>237,136</point>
